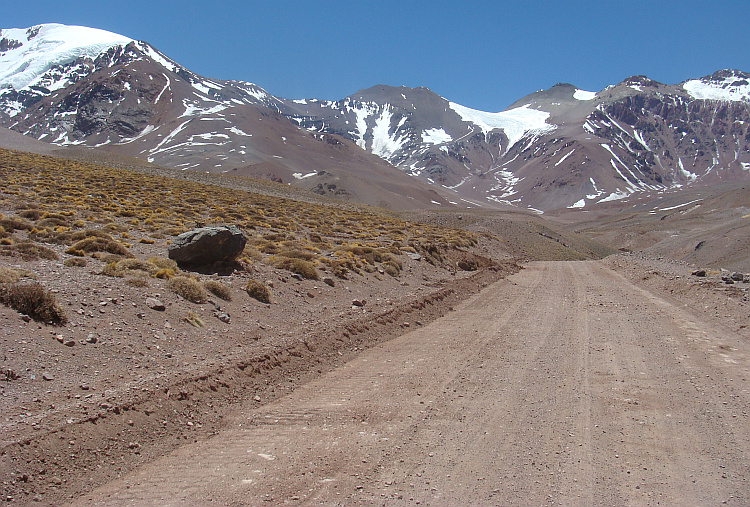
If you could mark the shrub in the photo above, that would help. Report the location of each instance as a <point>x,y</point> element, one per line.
<point>75,262</point>
<point>12,275</point>
<point>136,282</point>
<point>13,224</point>
<point>302,267</point>
<point>97,244</point>
<point>218,289</point>
<point>33,300</point>
<point>28,251</point>
<point>188,288</point>
<point>162,263</point>
<point>391,268</point>
<point>259,291</point>
<point>164,274</point>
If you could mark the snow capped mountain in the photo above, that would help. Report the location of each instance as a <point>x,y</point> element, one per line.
<point>560,147</point>
<point>123,96</point>
<point>727,86</point>
<point>33,60</point>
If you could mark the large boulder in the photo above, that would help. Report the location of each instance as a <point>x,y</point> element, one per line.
<point>207,245</point>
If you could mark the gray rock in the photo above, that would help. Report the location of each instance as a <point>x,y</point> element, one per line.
<point>207,245</point>
<point>699,272</point>
<point>738,277</point>
<point>329,281</point>
<point>155,304</point>
<point>224,317</point>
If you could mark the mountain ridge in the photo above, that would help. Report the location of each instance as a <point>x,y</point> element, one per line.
<point>559,147</point>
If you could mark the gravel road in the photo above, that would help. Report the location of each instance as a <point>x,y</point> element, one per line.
<point>564,384</point>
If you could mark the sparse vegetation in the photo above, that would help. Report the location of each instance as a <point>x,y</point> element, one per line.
<point>258,291</point>
<point>188,288</point>
<point>33,300</point>
<point>194,320</point>
<point>75,262</point>
<point>13,275</point>
<point>218,289</point>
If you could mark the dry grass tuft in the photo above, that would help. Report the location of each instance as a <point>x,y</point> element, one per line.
<point>302,267</point>
<point>218,289</point>
<point>188,288</point>
<point>258,291</point>
<point>28,252</point>
<point>194,320</point>
<point>136,282</point>
<point>75,262</point>
<point>13,275</point>
<point>97,244</point>
<point>33,300</point>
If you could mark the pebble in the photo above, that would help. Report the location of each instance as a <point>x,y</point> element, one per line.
<point>155,304</point>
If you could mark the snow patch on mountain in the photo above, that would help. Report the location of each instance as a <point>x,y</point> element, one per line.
<point>732,88</point>
<point>515,123</point>
<point>584,95</point>
<point>45,46</point>
<point>386,141</point>
<point>436,136</point>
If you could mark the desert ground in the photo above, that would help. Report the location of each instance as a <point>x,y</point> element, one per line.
<point>434,358</point>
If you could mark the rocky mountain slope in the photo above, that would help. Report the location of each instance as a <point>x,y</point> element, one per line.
<point>561,147</point>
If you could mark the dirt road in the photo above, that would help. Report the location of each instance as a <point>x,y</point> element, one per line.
<point>564,384</point>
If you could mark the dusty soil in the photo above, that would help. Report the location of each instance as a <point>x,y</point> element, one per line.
<point>617,382</point>
<point>133,383</point>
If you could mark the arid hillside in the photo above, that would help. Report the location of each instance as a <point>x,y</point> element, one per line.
<point>112,354</point>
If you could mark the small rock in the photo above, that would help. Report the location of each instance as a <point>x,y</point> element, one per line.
<point>85,387</point>
<point>310,295</point>
<point>359,302</point>
<point>256,398</point>
<point>60,338</point>
<point>699,272</point>
<point>297,276</point>
<point>155,304</point>
<point>106,406</point>
<point>134,445</point>
<point>70,343</point>
<point>329,281</point>
<point>47,377</point>
<point>269,283</point>
<point>91,338</point>
<point>738,277</point>
<point>224,317</point>
<point>25,318</point>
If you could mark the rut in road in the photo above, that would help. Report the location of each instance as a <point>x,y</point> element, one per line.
<point>564,384</point>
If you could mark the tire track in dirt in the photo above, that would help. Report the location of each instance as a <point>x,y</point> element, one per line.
<point>564,384</point>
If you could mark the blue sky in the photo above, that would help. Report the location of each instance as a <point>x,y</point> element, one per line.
<point>481,54</point>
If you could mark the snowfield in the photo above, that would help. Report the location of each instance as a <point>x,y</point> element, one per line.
<point>515,123</point>
<point>52,45</point>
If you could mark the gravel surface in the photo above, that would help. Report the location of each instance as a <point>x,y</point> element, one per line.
<point>566,383</point>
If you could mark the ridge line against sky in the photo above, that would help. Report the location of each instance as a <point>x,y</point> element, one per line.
<point>482,54</point>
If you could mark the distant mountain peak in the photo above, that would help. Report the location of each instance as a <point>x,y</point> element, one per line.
<point>726,85</point>
<point>26,54</point>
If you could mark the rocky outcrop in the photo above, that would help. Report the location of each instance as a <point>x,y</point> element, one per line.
<point>207,245</point>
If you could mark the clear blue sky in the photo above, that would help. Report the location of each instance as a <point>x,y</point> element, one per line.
<point>481,54</point>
